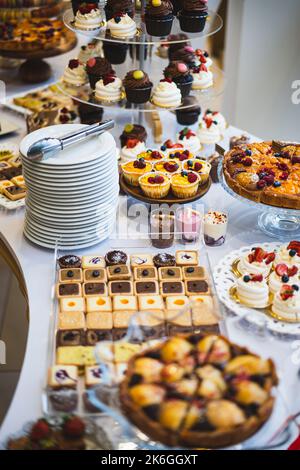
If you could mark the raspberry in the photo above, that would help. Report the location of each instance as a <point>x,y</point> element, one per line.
<point>236,159</point>
<point>171,167</point>
<point>40,430</point>
<point>159,179</point>
<point>73,64</point>
<point>292,271</point>
<point>261,184</point>
<point>108,79</point>
<point>284,176</point>
<point>282,166</point>
<point>151,180</point>
<point>192,178</point>
<point>295,159</point>
<point>281,269</point>
<point>186,152</point>
<point>155,154</point>
<point>139,164</point>
<point>198,166</point>
<point>247,161</point>
<point>269,179</point>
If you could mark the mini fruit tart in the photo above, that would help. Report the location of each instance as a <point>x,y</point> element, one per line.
<point>151,155</point>
<point>133,170</point>
<point>168,167</point>
<point>155,185</point>
<point>181,155</point>
<point>202,167</point>
<point>185,184</point>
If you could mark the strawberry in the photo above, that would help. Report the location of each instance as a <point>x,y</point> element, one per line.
<point>208,122</point>
<point>192,178</point>
<point>159,179</point>
<point>74,427</point>
<point>270,258</point>
<point>294,245</point>
<point>131,143</point>
<point>40,430</point>
<point>203,68</point>
<point>281,269</point>
<point>286,292</point>
<point>259,254</point>
<point>257,278</point>
<point>91,62</point>
<point>73,64</point>
<point>292,271</point>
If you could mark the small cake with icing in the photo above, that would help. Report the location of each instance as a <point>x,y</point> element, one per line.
<point>159,17</point>
<point>258,261</point>
<point>193,15</point>
<point>202,167</point>
<point>167,166</point>
<point>155,185</point>
<point>121,26</point>
<point>185,184</point>
<point>218,118</point>
<point>180,74</point>
<point>209,132</point>
<point>286,303</point>
<point>109,89</point>
<point>137,86</point>
<point>88,17</point>
<point>75,73</point>
<point>132,170</point>
<point>252,290</point>
<point>283,274</point>
<point>166,94</point>
<point>189,140</point>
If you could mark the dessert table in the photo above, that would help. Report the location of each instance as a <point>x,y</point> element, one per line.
<point>38,265</point>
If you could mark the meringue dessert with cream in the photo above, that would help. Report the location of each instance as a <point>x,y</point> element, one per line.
<point>258,261</point>
<point>109,89</point>
<point>132,149</point>
<point>202,77</point>
<point>209,131</point>
<point>283,274</point>
<point>122,26</point>
<point>166,94</point>
<point>88,17</point>
<point>218,118</point>
<point>286,303</point>
<point>189,140</point>
<point>75,73</point>
<point>252,290</point>
<point>289,254</point>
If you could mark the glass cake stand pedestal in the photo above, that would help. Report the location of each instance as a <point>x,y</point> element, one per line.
<point>277,222</point>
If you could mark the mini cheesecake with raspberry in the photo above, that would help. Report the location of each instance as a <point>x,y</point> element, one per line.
<point>132,170</point>
<point>151,155</point>
<point>185,184</point>
<point>202,167</point>
<point>155,185</point>
<point>283,274</point>
<point>258,261</point>
<point>181,155</point>
<point>168,167</point>
<point>286,303</point>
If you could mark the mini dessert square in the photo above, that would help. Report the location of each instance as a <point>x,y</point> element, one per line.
<point>94,336</point>
<point>121,271</point>
<point>120,287</point>
<point>194,272</point>
<point>146,288</point>
<point>98,304</point>
<point>71,320</point>
<point>143,273</point>
<point>99,321</point>
<point>122,319</point>
<point>177,302</point>
<point>168,288</point>
<point>72,304</point>
<point>162,260</point>
<point>123,352</point>
<point>70,338</point>
<point>115,257</point>
<point>203,310</point>
<point>187,258</point>
<point>151,302</point>
<point>94,375</point>
<point>68,289</point>
<point>179,322</point>
<point>76,355</point>
<point>70,275</point>
<point>93,261</point>
<point>141,260</point>
<point>14,193</point>
<point>197,286</point>
<point>5,184</point>
<point>11,172</point>
<point>95,275</point>
<point>62,376</point>
<point>19,181</point>
<point>124,302</point>
<point>94,288</point>
<point>168,274</point>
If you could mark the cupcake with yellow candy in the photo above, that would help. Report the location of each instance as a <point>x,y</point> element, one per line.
<point>151,155</point>
<point>134,169</point>
<point>202,167</point>
<point>168,167</point>
<point>137,87</point>
<point>155,185</point>
<point>185,184</point>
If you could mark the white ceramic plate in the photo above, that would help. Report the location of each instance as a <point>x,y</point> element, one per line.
<point>52,231</point>
<point>75,246</point>
<point>95,171</point>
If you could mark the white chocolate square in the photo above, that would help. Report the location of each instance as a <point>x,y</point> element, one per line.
<point>124,302</point>
<point>72,304</point>
<point>139,260</point>
<point>187,258</point>
<point>151,302</point>
<point>93,261</point>
<point>62,376</point>
<point>177,302</point>
<point>98,303</point>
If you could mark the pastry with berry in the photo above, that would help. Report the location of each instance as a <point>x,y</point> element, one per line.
<point>75,74</point>
<point>159,17</point>
<point>286,304</point>
<point>181,155</point>
<point>189,140</point>
<point>179,73</point>
<point>283,274</point>
<point>109,89</point>
<point>97,68</point>
<point>89,17</point>
<point>202,167</point>
<point>202,77</point>
<point>132,149</point>
<point>121,26</point>
<point>133,131</point>
<point>166,94</point>
<point>137,86</point>
<point>192,17</point>
<point>289,254</point>
<point>132,170</point>
<point>252,290</point>
<point>155,185</point>
<point>168,167</point>
<point>218,118</point>
<point>185,184</point>
<point>208,131</point>
<point>258,261</point>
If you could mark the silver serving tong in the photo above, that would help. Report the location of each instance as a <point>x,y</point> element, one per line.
<point>50,146</point>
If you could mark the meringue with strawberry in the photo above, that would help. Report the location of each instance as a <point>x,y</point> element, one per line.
<point>218,118</point>
<point>132,149</point>
<point>109,89</point>
<point>289,254</point>
<point>283,274</point>
<point>252,290</point>
<point>202,57</point>
<point>122,26</point>
<point>258,261</point>
<point>75,73</point>
<point>189,140</point>
<point>202,77</point>
<point>88,17</point>
<point>209,132</point>
<point>286,303</point>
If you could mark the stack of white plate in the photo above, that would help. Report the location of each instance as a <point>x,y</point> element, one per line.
<point>72,197</point>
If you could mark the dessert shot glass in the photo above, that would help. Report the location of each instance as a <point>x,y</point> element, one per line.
<point>161,228</point>
<point>188,224</point>
<point>215,227</point>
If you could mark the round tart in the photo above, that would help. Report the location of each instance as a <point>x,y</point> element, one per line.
<point>198,391</point>
<point>168,167</point>
<point>202,167</point>
<point>276,174</point>
<point>185,184</point>
<point>69,261</point>
<point>161,260</point>
<point>155,185</point>
<point>133,170</point>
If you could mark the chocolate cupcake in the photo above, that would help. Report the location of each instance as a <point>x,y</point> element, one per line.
<point>177,5</point>
<point>88,113</point>
<point>189,113</point>
<point>159,17</point>
<point>179,73</point>
<point>115,257</point>
<point>97,68</point>
<point>137,86</point>
<point>114,52</point>
<point>174,46</point>
<point>186,54</point>
<point>133,131</point>
<point>115,6</point>
<point>192,17</point>
<point>76,4</point>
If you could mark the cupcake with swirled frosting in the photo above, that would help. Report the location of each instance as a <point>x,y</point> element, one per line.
<point>137,86</point>
<point>132,149</point>
<point>109,89</point>
<point>166,94</point>
<point>208,132</point>
<point>159,17</point>
<point>286,303</point>
<point>75,73</point>
<point>180,74</point>
<point>88,17</point>
<point>121,26</point>
<point>193,15</point>
<point>252,290</point>
<point>202,77</point>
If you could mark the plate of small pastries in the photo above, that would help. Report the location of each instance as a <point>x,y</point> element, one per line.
<point>12,184</point>
<point>263,281</point>
<point>198,390</point>
<point>265,172</point>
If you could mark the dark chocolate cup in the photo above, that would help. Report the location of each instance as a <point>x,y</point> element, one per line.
<point>158,26</point>
<point>184,87</point>
<point>115,53</point>
<point>190,22</point>
<point>138,95</point>
<point>186,117</point>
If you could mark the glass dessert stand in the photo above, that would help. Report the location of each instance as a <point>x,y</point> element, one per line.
<point>277,222</point>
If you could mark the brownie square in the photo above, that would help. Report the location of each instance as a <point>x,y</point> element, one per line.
<point>93,337</point>
<point>197,286</point>
<point>70,338</point>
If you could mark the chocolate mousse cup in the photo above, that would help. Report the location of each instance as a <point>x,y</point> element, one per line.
<point>189,113</point>
<point>161,229</point>
<point>191,22</point>
<point>158,26</point>
<point>115,53</point>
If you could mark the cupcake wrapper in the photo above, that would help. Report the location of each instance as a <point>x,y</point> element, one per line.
<point>155,192</point>
<point>192,23</point>
<point>115,53</point>
<point>138,96</point>
<point>184,88</point>
<point>183,192</point>
<point>187,118</point>
<point>203,178</point>
<point>132,178</point>
<point>159,27</point>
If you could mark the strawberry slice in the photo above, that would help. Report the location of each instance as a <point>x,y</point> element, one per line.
<point>292,271</point>
<point>131,143</point>
<point>257,278</point>
<point>270,258</point>
<point>286,292</point>
<point>259,254</point>
<point>281,269</point>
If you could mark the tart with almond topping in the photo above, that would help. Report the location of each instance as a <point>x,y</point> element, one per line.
<point>261,173</point>
<point>198,391</point>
